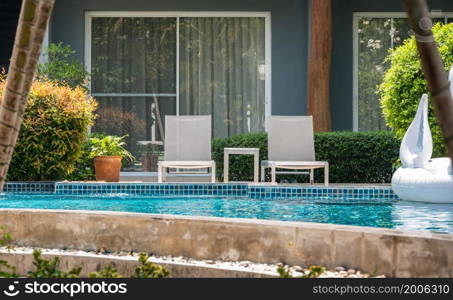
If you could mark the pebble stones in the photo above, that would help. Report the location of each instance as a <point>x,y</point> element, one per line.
<point>271,269</point>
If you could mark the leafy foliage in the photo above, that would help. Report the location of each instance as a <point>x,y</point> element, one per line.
<point>84,167</point>
<point>109,146</point>
<point>48,268</point>
<point>55,125</point>
<point>107,272</point>
<point>404,84</point>
<point>147,269</point>
<point>61,67</point>
<point>354,157</point>
<point>313,272</point>
<point>6,270</point>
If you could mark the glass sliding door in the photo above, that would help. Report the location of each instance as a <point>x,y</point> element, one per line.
<point>137,78</point>
<point>133,78</point>
<point>222,72</point>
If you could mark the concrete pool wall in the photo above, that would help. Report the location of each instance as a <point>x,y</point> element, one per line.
<point>373,250</point>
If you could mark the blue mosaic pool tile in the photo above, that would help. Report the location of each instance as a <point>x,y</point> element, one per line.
<point>153,189</point>
<point>29,187</point>
<point>312,194</point>
<point>322,194</point>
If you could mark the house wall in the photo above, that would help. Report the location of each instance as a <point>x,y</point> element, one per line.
<point>290,42</point>
<point>289,36</point>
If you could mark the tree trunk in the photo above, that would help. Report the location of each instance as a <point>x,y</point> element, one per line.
<point>319,64</point>
<point>433,68</point>
<point>31,29</point>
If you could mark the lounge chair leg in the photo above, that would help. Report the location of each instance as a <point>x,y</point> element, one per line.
<point>159,174</point>
<point>326,175</point>
<point>273,175</point>
<point>256,163</point>
<point>312,176</point>
<point>213,173</point>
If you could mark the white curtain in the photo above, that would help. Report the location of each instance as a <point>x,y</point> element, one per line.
<point>222,72</point>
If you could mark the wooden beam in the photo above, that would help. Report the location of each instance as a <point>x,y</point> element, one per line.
<point>433,68</point>
<point>319,64</point>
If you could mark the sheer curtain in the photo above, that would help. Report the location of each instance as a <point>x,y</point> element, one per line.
<point>222,72</point>
<point>133,68</point>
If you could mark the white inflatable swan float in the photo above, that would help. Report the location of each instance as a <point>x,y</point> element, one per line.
<point>421,178</point>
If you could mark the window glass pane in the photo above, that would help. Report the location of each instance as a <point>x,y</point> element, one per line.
<point>136,118</point>
<point>134,80</point>
<point>439,20</point>
<point>133,55</point>
<point>374,38</point>
<point>222,72</point>
<point>401,31</point>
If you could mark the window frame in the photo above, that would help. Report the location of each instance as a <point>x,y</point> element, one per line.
<point>355,47</point>
<point>89,15</point>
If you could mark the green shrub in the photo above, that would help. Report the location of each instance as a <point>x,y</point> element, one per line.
<point>354,157</point>
<point>84,166</point>
<point>62,67</point>
<point>108,271</point>
<point>49,268</point>
<point>55,125</point>
<point>147,269</point>
<point>313,272</point>
<point>6,270</point>
<point>404,84</point>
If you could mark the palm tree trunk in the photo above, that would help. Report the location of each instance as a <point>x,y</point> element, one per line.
<point>31,29</point>
<point>433,68</point>
<point>319,64</point>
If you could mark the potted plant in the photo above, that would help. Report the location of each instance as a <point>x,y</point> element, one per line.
<point>108,153</point>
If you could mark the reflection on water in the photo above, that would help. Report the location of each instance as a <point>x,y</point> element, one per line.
<point>399,215</point>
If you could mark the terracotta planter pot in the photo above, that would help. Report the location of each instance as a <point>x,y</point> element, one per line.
<point>150,162</point>
<point>107,168</point>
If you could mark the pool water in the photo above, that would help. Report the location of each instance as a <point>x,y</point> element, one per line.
<point>396,215</point>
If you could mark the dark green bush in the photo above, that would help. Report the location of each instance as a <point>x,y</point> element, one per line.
<point>55,125</point>
<point>354,157</point>
<point>84,166</point>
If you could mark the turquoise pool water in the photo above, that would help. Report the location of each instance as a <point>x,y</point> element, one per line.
<point>396,215</point>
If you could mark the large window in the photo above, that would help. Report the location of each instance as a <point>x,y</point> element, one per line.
<point>374,35</point>
<point>145,66</point>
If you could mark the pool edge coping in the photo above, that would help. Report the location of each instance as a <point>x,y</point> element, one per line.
<point>305,225</point>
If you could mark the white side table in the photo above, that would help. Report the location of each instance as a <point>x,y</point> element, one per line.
<point>241,151</point>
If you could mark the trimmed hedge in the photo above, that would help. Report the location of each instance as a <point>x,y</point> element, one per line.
<point>55,125</point>
<point>354,157</point>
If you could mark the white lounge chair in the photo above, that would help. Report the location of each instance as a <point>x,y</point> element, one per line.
<point>291,146</point>
<point>187,145</point>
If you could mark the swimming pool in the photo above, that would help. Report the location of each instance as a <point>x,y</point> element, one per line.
<point>395,214</point>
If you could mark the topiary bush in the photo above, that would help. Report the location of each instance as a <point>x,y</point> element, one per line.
<point>404,84</point>
<point>55,125</point>
<point>354,157</point>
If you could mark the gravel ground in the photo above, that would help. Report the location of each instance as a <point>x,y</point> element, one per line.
<point>296,271</point>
